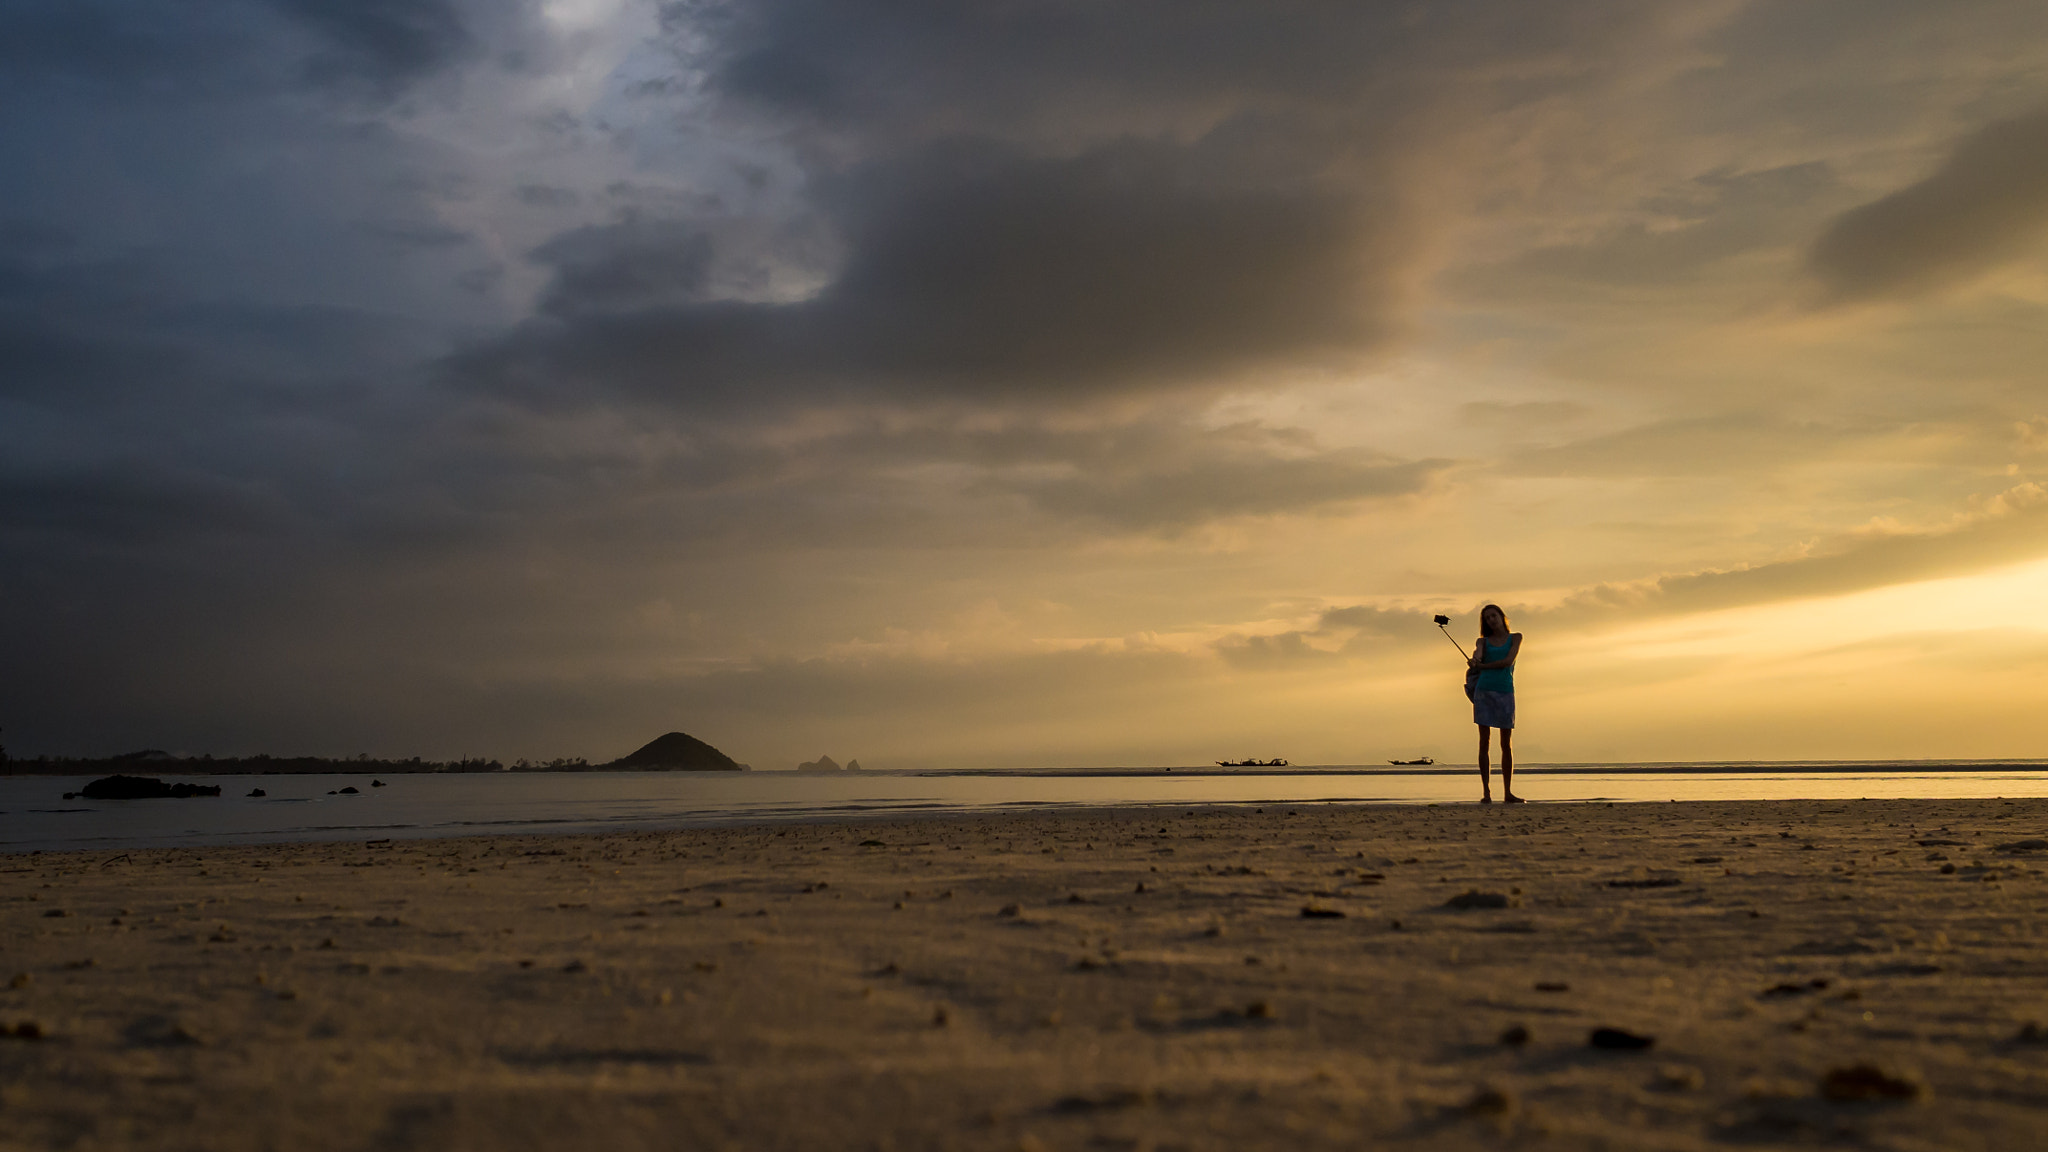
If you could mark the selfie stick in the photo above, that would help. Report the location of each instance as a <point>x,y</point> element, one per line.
<point>1440,622</point>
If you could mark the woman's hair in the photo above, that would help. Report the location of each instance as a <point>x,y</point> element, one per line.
<point>1504,629</point>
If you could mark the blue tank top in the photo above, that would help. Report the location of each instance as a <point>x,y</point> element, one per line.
<point>1496,679</point>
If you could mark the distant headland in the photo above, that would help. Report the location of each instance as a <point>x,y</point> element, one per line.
<point>674,752</point>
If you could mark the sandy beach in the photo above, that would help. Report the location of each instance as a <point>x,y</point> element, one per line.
<point>1856,974</point>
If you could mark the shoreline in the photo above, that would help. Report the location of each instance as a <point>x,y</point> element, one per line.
<point>1440,768</point>
<point>1095,978</point>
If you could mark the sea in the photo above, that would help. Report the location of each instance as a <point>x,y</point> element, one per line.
<point>35,817</point>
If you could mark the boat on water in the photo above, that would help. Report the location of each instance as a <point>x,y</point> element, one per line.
<point>1406,763</point>
<point>1251,763</point>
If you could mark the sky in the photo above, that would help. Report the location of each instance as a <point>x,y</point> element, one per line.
<point>1026,382</point>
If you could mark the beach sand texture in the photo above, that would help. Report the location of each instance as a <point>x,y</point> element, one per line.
<point>1813,973</point>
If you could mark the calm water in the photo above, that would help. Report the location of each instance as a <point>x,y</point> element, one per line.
<point>33,816</point>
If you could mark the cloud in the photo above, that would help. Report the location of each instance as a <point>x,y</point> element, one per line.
<point>131,505</point>
<point>233,48</point>
<point>1693,446</point>
<point>387,43</point>
<point>625,267</point>
<point>972,272</point>
<point>2005,529</point>
<point>1526,413</point>
<point>1357,632</point>
<point>1972,214</point>
<point>940,480</point>
<point>1201,491</point>
<point>1676,236</point>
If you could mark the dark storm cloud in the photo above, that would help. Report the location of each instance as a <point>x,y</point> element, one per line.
<point>1047,203</point>
<point>1970,215</point>
<point>935,482</point>
<point>627,267</point>
<point>386,42</point>
<point>230,47</point>
<point>972,272</point>
<point>134,504</point>
<point>893,69</point>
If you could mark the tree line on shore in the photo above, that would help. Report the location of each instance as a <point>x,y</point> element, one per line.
<point>261,764</point>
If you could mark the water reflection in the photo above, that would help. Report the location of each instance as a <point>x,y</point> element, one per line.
<point>33,817</point>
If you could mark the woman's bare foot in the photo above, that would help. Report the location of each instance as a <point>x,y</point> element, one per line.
<point>1514,799</point>
<point>1486,799</point>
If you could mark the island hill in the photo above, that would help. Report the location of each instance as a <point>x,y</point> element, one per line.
<point>674,752</point>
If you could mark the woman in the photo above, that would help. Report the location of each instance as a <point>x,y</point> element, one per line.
<point>1493,698</point>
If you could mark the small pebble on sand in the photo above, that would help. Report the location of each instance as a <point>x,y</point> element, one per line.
<point>1679,1078</point>
<point>1490,1102</point>
<point>1619,1040</point>
<point>1866,1082</point>
<point>1474,898</point>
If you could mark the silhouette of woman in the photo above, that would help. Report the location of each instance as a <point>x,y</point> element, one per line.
<point>1493,698</point>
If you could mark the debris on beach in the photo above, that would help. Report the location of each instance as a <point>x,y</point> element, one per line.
<point>1818,984</point>
<point>1474,898</point>
<point>1679,1078</point>
<point>1490,1102</point>
<point>1619,1040</point>
<point>1515,1036</point>
<point>1866,1082</point>
<point>1648,880</point>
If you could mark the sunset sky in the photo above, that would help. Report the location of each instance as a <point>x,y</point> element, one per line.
<point>1023,382</point>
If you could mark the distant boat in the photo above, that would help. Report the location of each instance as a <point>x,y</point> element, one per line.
<point>1251,763</point>
<point>1424,760</point>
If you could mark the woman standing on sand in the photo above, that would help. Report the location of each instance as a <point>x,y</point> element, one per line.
<point>1493,698</point>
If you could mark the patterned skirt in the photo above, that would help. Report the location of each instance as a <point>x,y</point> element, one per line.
<point>1493,709</point>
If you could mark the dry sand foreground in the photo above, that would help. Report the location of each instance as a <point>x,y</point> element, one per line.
<point>1119,979</point>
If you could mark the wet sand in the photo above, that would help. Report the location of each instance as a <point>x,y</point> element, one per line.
<point>1851,974</point>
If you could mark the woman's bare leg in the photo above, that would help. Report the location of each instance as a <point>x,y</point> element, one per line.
<point>1485,763</point>
<point>1507,766</point>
